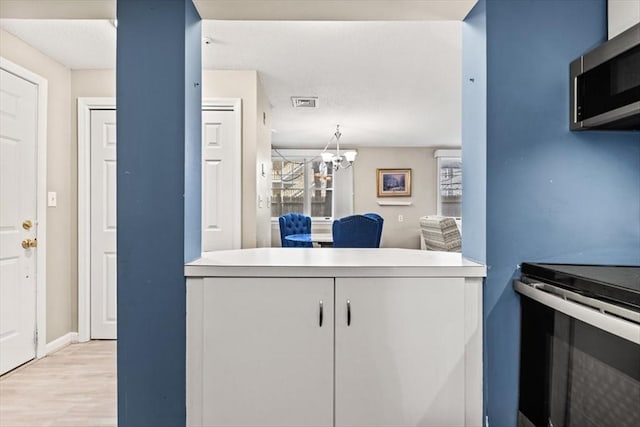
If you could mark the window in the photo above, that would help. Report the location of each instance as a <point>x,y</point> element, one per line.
<point>449,197</point>
<point>301,184</point>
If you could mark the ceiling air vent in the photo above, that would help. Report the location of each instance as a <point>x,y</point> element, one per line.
<point>304,101</point>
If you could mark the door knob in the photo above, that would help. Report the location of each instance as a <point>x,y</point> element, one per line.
<point>29,243</point>
<point>27,224</point>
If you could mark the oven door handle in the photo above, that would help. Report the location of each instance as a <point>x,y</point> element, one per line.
<point>588,310</point>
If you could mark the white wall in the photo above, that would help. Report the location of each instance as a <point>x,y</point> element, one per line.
<point>60,230</point>
<point>621,15</point>
<point>397,234</point>
<point>263,168</point>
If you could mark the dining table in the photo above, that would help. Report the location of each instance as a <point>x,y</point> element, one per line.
<point>322,239</point>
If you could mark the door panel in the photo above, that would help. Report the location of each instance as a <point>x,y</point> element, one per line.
<point>18,122</point>
<point>220,181</point>
<point>401,360</point>
<point>268,361</point>
<point>103,224</point>
<point>211,208</point>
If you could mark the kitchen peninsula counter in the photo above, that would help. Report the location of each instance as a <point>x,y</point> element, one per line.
<point>334,337</point>
<point>333,262</point>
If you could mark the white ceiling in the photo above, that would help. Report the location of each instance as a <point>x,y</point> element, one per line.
<point>77,43</point>
<point>387,83</point>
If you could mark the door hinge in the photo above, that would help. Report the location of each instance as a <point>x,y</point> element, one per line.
<point>35,338</point>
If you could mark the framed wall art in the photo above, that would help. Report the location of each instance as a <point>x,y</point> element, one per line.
<point>394,182</point>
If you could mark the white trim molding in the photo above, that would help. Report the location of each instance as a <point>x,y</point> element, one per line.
<point>63,341</point>
<point>447,153</point>
<point>41,199</point>
<point>389,203</point>
<point>85,105</point>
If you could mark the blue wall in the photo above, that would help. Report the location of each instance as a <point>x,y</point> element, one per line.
<point>158,115</point>
<point>193,133</point>
<point>474,134</point>
<point>552,195</point>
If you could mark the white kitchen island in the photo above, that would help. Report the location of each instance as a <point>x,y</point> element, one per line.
<point>334,337</point>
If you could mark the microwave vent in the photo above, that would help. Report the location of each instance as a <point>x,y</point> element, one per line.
<point>304,101</point>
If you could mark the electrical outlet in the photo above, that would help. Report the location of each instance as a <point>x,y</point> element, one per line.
<point>400,218</point>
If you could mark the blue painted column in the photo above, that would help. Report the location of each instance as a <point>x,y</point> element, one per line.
<point>474,133</point>
<point>551,195</point>
<point>158,197</point>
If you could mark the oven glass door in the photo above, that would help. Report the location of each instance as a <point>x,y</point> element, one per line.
<point>573,374</point>
<point>610,85</point>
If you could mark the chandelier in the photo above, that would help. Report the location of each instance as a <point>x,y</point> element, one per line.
<point>338,160</point>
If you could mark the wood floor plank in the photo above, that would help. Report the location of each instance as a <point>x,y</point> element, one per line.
<point>75,386</point>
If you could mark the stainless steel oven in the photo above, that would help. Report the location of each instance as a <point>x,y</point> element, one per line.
<point>605,85</point>
<point>580,350</point>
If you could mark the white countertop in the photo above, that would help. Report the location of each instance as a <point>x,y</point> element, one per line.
<point>332,262</point>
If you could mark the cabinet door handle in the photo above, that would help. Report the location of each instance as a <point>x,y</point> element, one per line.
<point>348,313</point>
<point>321,314</point>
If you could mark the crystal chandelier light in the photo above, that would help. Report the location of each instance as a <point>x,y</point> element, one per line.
<point>337,160</point>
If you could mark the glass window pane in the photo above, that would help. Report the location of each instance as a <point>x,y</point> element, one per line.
<point>320,190</point>
<point>322,175</point>
<point>287,184</point>
<point>451,187</point>
<point>321,203</point>
<point>290,181</point>
<point>292,200</point>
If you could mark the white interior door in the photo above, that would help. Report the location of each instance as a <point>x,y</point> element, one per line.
<point>221,211</point>
<point>221,206</point>
<point>103,224</point>
<point>18,123</point>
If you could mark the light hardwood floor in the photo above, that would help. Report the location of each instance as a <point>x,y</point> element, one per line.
<point>75,386</point>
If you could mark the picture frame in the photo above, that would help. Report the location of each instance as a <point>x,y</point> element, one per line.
<point>394,182</point>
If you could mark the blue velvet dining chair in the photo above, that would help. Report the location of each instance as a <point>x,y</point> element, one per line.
<point>357,231</point>
<point>380,223</point>
<point>294,223</point>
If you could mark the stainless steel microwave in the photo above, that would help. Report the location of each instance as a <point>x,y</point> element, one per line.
<point>605,85</point>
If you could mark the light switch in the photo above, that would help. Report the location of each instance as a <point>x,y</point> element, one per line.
<point>52,199</point>
<point>400,218</point>
<point>259,201</point>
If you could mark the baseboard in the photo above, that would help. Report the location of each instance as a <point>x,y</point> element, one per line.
<point>58,343</point>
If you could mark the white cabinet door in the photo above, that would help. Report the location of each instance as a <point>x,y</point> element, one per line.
<point>262,357</point>
<point>400,361</point>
